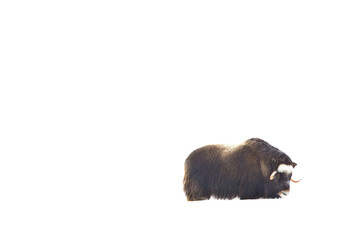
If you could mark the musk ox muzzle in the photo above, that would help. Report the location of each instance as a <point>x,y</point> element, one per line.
<point>251,170</point>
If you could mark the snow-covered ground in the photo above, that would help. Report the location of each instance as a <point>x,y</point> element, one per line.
<point>101,102</point>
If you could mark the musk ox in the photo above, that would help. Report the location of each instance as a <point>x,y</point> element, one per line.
<point>251,170</point>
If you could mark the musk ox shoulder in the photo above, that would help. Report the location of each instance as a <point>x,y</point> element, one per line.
<point>251,170</point>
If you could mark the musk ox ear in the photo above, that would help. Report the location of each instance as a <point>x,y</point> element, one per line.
<point>293,164</point>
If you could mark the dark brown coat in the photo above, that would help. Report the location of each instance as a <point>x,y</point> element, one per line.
<point>243,171</point>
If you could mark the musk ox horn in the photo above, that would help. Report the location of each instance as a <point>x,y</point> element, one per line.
<point>294,181</point>
<point>273,175</point>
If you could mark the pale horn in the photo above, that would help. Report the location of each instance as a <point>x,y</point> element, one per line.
<point>294,181</point>
<point>273,175</point>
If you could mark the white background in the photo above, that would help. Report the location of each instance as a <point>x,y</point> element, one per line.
<point>102,101</point>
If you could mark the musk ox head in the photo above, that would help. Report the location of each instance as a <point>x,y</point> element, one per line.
<point>280,180</point>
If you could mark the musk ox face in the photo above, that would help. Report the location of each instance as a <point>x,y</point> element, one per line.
<point>253,169</point>
<point>280,180</point>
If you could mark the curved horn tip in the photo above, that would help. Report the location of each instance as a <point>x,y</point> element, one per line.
<point>294,181</point>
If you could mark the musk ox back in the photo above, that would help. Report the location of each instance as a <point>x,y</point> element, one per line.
<point>251,170</point>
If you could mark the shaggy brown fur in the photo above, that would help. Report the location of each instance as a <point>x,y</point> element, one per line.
<point>241,171</point>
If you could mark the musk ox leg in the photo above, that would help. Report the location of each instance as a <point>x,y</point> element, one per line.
<point>194,192</point>
<point>248,197</point>
<point>196,199</point>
